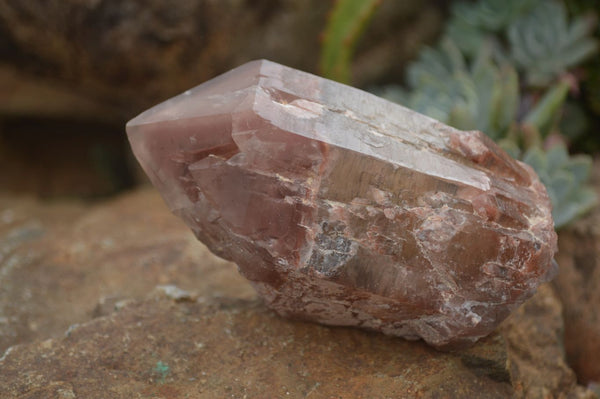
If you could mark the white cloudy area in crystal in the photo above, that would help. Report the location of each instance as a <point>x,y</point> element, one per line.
<point>346,209</point>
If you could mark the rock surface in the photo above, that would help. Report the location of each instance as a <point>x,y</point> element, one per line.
<point>578,286</point>
<point>238,349</point>
<point>28,231</point>
<point>536,360</point>
<point>91,263</point>
<point>346,209</point>
<point>63,264</point>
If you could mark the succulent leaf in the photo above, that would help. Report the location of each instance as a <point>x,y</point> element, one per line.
<point>564,178</point>
<point>492,15</point>
<point>580,166</point>
<point>544,44</point>
<point>468,38</point>
<point>577,205</point>
<point>543,113</point>
<point>466,95</point>
<point>557,157</point>
<point>486,74</point>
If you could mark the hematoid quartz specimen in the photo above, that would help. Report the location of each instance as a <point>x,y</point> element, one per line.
<point>346,209</point>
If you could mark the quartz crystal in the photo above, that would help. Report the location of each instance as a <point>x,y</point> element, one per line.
<point>346,209</point>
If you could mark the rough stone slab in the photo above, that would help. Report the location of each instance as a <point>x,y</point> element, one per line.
<point>237,349</point>
<point>65,263</point>
<point>536,356</point>
<point>28,229</point>
<point>162,346</point>
<point>578,286</point>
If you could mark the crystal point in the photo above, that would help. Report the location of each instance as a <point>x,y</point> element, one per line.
<point>346,209</point>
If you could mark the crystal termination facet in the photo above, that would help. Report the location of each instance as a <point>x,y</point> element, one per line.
<point>346,209</point>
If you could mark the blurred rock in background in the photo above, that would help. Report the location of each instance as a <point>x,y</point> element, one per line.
<point>73,72</point>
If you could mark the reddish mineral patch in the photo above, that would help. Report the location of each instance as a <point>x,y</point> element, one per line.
<point>345,209</point>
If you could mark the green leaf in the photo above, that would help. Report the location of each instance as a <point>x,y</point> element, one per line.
<point>468,38</point>
<point>580,167</point>
<point>542,114</point>
<point>557,157</point>
<point>544,44</point>
<point>577,205</point>
<point>579,51</point>
<point>467,95</point>
<point>536,158</point>
<point>347,21</point>
<point>565,180</point>
<point>491,15</point>
<point>560,186</point>
<point>436,66</point>
<point>508,100</point>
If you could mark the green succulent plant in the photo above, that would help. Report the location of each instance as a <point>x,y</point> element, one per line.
<point>474,25</point>
<point>491,15</point>
<point>565,179</point>
<point>468,95</point>
<point>470,38</point>
<point>488,90</point>
<point>544,44</point>
<point>503,67</point>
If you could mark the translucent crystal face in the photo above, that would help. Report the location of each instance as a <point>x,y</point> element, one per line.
<point>346,209</point>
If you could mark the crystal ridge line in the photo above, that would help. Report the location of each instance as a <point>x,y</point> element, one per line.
<point>346,209</point>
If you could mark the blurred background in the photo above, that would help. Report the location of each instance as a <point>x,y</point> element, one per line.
<point>73,72</point>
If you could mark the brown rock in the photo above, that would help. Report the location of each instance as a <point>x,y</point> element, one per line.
<point>126,55</point>
<point>536,360</point>
<point>62,266</point>
<point>236,349</point>
<point>27,231</point>
<point>578,286</point>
